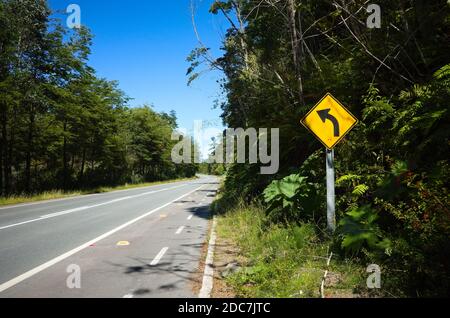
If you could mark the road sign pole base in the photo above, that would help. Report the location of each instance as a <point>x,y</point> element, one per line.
<point>331,195</point>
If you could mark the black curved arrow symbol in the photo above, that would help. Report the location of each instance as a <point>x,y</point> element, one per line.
<point>324,115</point>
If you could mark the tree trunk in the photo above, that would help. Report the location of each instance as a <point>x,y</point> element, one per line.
<point>296,48</point>
<point>5,153</point>
<point>9,187</point>
<point>2,142</point>
<point>29,152</point>
<point>65,158</point>
<point>72,164</point>
<point>83,163</point>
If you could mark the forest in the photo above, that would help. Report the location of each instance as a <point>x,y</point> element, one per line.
<point>279,59</point>
<point>61,125</point>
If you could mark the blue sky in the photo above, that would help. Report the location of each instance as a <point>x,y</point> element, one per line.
<point>143,44</point>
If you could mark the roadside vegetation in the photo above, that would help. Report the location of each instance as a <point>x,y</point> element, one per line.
<point>285,261</point>
<point>51,195</point>
<point>392,170</point>
<point>62,127</point>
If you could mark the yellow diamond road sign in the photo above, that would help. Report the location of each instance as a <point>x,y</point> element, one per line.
<point>329,121</point>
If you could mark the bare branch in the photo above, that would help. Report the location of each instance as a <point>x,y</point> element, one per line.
<point>373,55</point>
<point>208,57</point>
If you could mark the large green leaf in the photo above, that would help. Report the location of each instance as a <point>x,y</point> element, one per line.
<point>359,229</point>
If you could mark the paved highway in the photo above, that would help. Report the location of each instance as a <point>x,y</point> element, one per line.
<point>144,242</point>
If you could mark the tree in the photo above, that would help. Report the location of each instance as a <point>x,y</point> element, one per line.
<point>395,79</point>
<point>63,127</point>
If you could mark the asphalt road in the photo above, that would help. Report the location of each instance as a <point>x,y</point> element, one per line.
<point>144,242</point>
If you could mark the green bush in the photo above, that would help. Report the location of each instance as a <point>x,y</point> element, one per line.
<point>359,229</point>
<point>289,199</point>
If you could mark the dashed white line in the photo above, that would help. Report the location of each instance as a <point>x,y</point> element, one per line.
<point>128,296</point>
<point>36,270</point>
<point>159,256</point>
<point>180,229</point>
<point>190,217</point>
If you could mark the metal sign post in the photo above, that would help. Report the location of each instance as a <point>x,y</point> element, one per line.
<point>330,122</point>
<point>331,195</point>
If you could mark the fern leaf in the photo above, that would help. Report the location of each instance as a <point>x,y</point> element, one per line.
<point>347,178</point>
<point>360,190</point>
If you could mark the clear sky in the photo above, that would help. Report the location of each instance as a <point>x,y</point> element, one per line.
<point>143,44</point>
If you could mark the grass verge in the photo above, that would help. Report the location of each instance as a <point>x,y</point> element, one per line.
<point>283,262</point>
<point>59,194</point>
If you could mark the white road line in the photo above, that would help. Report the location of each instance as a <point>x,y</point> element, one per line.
<point>208,276</point>
<point>55,200</point>
<point>48,216</point>
<point>128,296</point>
<point>62,257</point>
<point>180,229</point>
<point>159,256</point>
<point>190,217</point>
<point>80,197</point>
<point>84,208</point>
<point>17,224</point>
<point>113,201</point>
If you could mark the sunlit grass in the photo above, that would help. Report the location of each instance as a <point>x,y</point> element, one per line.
<point>285,262</point>
<point>51,195</point>
<point>58,194</point>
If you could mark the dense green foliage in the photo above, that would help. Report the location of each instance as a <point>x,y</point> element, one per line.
<point>281,57</point>
<point>62,127</point>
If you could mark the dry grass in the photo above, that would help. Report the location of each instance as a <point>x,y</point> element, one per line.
<point>58,194</point>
